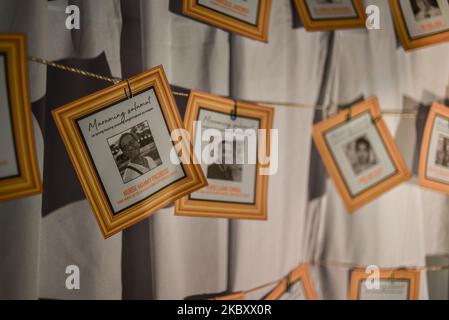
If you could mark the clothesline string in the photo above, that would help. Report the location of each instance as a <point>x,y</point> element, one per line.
<point>115,80</point>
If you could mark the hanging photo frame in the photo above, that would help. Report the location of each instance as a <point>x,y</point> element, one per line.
<point>19,170</point>
<point>297,286</point>
<point>402,284</point>
<point>249,18</point>
<point>236,188</point>
<point>434,157</point>
<point>360,154</point>
<point>327,15</point>
<point>119,141</point>
<point>421,23</point>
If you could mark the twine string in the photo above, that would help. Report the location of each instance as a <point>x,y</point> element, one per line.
<point>115,80</point>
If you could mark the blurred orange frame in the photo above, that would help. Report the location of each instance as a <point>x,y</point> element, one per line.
<point>441,111</point>
<point>359,275</point>
<point>28,181</point>
<point>402,173</point>
<point>401,26</point>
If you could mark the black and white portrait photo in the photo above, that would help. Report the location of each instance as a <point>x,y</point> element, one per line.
<point>425,9</point>
<point>135,152</point>
<point>361,155</point>
<point>442,153</point>
<point>221,170</point>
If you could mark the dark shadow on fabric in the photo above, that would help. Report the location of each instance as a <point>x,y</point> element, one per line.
<point>181,100</point>
<point>175,6</point>
<point>296,19</point>
<point>61,184</point>
<point>137,276</point>
<point>38,109</point>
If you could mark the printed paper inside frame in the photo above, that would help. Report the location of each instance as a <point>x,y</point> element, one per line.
<point>257,31</point>
<point>23,178</point>
<point>433,168</point>
<point>300,275</point>
<point>214,209</point>
<point>369,111</point>
<point>333,23</point>
<point>412,277</point>
<point>407,41</point>
<point>66,119</point>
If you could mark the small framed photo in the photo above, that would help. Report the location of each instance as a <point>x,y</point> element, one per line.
<point>297,286</point>
<point>230,151</point>
<point>421,22</point>
<point>19,171</point>
<point>324,15</point>
<point>249,18</point>
<point>360,154</point>
<point>400,284</point>
<point>434,156</point>
<point>120,143</point>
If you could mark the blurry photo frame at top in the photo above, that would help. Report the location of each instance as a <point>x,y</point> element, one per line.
<point>421,23</point>
<point>326,15</point>
<point>249,18</point>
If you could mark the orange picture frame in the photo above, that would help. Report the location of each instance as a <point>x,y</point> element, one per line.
<point>404,35</point>
<point>411,276</point>
<point>27,181</point>
<point>441,112</point>
<point>67,117</point>
<point>187,206</point>
<point>402,173</point>
<point>311,24</point>
<point>257,31</point>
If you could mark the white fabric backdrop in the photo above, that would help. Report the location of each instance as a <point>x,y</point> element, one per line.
<point>191,256</point>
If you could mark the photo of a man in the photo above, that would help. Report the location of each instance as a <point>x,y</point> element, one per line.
<point>135,152</point>
<point>226,171</point>
<point>361,155</point>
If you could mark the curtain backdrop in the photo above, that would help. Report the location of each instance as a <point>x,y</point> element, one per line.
<point>168,257</point>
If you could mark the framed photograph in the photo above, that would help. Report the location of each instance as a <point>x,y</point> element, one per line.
<point>19,171</point>
<point>119,141</point>
<point>249,18</point>
<point>434,157</point>
<point>421,23</point>
<point>297,286</point>
<point>324,15</point>
<point>360,154</point>
<point>392,285</point>
<point>228,149</point>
